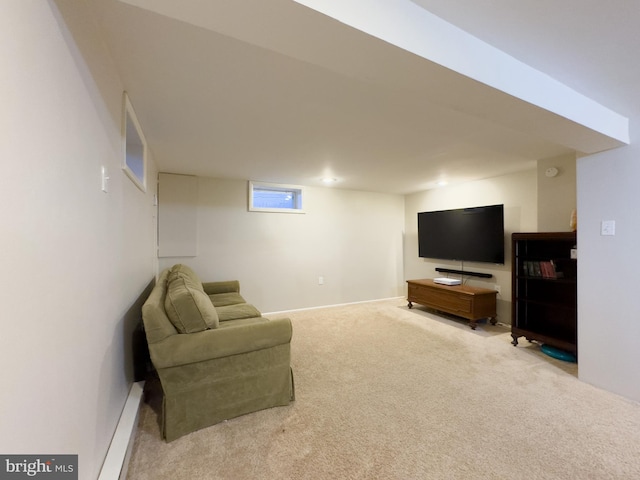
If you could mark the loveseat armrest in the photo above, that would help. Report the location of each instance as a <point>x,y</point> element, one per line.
<point>229,286</point>
<point>187,348</point>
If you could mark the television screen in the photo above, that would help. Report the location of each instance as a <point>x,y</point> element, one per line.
<point>466,234</point>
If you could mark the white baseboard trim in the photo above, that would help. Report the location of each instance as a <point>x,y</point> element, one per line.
<point>329,306</point>
<point>116,462</point>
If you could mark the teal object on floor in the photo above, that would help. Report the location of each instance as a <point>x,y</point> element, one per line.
<point>559,354</point>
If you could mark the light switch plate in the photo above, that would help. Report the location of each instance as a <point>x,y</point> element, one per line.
<point>105,179</point>
<point>608,227</point>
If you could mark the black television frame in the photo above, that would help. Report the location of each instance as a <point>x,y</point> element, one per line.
<point>474,234</point>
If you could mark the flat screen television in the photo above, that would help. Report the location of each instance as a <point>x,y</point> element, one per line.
<point>466,234</point>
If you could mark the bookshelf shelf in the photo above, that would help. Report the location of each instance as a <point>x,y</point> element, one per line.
<point>544,281</point>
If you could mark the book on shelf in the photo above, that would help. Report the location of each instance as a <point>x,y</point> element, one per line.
<point>544,269</point>
<point>548,269</point>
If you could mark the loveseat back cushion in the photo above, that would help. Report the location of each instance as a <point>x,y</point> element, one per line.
<point>180,270</point>
<point>157,325</point>
<point>189,308</point>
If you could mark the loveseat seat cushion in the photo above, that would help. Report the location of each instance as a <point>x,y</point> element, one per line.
<point>237,311</point>
<point>188,307</point>
<point>242,321</point>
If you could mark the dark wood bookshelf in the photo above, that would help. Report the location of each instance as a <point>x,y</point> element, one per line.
<point>544,289</point>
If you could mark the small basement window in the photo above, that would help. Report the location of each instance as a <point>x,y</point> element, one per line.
<point>135,152</point>
<point>274,197</point>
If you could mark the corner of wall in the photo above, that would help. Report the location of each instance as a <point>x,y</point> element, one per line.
<point>556,192</point>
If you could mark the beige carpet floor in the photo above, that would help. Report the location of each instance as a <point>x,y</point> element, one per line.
<point>384,392</point>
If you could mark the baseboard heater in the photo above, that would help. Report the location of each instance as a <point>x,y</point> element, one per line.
<point>116,463</point>
<point>464,272</point>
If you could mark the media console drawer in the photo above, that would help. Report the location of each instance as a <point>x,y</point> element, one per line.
<point>471,303</point>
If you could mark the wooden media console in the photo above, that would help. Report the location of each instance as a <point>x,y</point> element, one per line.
<point>471,303</point>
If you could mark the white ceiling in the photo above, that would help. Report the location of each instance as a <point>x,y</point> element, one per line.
<point>274,91</point>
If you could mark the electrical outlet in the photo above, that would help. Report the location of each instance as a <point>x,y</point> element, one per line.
<point>320,280</point>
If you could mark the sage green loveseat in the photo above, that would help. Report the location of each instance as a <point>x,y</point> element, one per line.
<point>216,356</point>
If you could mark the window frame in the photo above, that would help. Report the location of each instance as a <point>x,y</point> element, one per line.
<point>134,139</point>
<point>281,187</point>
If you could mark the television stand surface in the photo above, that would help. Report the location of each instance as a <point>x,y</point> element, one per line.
<point>472,303</point>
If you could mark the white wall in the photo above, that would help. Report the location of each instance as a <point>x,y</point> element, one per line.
<point>352,239</point>
<point>518,193</point>
<point>76,260</point>
<point>556,195</point>
<point>608,307</point>
<point>178,214</point>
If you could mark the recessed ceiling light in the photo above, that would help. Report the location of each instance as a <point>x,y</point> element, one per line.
<point>329,180</point>
<point>441,183</point>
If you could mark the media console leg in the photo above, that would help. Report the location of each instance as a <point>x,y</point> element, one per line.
<point>515,340</point>
<point>410,305</point>
<point>493,320</point>
<point>472,324</point>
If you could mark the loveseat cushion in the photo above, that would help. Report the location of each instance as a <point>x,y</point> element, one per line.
<point>242,321</point>
<point>227,286</point>
<point>188,307</point>
<point>180,270</point>
<point>224,299</point>
<point>238,311</point>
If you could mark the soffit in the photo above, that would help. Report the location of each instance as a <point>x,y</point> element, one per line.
<point>237,98</point>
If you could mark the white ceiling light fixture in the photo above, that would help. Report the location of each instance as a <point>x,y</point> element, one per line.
<point>329,180</point>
